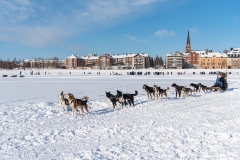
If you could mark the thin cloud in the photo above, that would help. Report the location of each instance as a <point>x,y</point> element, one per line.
<point>164,33</point>
<point>132,38</point>
<point>34,36</point>
<point>99,10</point>
<point>143,2</point>
<point>39,23</point>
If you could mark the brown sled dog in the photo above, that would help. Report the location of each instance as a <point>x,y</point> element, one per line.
<point>178,89</point>
<point>75,103</point>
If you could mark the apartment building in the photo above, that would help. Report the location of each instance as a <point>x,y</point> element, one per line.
<point>91,60</point>
<point>213,60</point>
<point>174,60</point>
<point>107,61</point>
<point>234,58</point>
<point>44,63</point>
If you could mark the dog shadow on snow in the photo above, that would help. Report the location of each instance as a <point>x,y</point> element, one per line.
<point>141,102</point>
<point>104,111</point>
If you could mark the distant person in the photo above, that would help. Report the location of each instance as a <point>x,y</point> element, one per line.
<point>20,73</point>
<point>171,73</point>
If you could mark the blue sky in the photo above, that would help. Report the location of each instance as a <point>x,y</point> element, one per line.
<point>48,28</point>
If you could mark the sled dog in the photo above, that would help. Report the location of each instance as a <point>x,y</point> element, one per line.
<point>204,88</point>
<point>123,98</point>
<point>112,98</point>
<point>158,91</point>
<point>149,91</point>
<point>195,86</point>
<point>187,91</point>
<point>178,89</point>
<point>63,101</point>
<point>75,103</point>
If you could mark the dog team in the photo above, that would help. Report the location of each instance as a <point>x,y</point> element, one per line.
<point>128,98</point>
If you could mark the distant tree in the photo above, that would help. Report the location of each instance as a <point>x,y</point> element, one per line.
<point>8,64</point>
<point>151,62</point>
<point>161,61</point>
<point>1,62</point>
<point>158,61</point>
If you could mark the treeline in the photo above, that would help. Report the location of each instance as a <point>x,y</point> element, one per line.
<point>158,62</point>
<point>54,62</point>
<point>32,63</point>
<point>7,64</point>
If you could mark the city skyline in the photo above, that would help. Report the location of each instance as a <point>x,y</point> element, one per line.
<point>156,27</point>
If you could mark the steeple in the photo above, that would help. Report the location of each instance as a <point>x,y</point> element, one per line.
<point>188,45</point>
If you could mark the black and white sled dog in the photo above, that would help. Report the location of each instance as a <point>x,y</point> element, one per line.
<point>63,101</point>
<point>204,88</point>
<point>158,91</point>
<point>123,98</point>
<point>112,98</point>
<point>196,87</point>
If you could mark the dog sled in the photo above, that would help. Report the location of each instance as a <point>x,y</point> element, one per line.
<point>220,88</point>
<point>221,82</point>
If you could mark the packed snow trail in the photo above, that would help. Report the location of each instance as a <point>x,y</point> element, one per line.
<point>203,126</point>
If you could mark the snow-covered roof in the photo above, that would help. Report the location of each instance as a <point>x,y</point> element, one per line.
<point>211,54</point>
<point>128,55</point>
<point>92,55</point>
<point>118,56</point>
<point>234,51</point>
<point>199,51</point>
<point>96,57</point>
<point>29,60</point>
<point>72,56</point>
<point>174,54</point>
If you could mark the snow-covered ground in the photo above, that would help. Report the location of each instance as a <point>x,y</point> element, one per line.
<point>33,125</point>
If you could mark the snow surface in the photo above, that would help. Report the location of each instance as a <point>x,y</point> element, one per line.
<point>33,125</point>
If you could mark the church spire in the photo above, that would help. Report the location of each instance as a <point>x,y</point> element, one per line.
<point>188,39</point>
<point>188,45</point>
